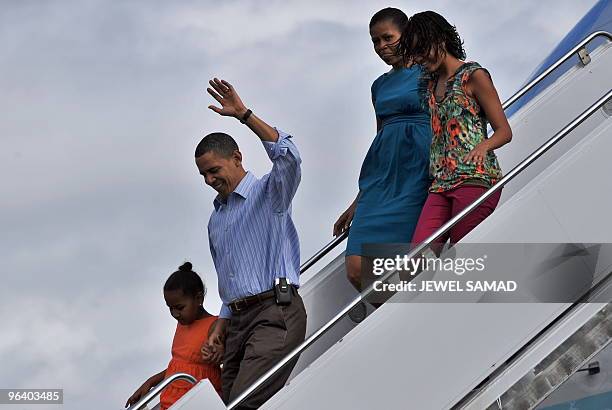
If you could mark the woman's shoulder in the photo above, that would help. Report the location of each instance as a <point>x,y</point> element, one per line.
<point>467,70</point>
<point>471,64</point>
<point>470,67</point>
<point>377,82</point>
<point>412,71</point>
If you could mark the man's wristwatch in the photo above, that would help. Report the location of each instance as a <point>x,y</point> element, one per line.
<point>246,116</point>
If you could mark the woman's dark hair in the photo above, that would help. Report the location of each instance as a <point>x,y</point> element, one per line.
<point>428,31</point>
<point>396,16</point>
<point>186,280</point>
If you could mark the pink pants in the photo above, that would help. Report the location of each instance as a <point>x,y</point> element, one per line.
<point>441,207</point>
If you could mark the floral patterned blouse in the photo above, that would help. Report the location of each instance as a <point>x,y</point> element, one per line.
<point>458,124</point>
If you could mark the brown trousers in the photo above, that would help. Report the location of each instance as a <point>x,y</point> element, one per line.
<point>256,340</point>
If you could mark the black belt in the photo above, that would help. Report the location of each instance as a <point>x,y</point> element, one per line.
<point>240,305</point>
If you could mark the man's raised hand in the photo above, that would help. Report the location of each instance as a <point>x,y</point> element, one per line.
<point>226,95</point>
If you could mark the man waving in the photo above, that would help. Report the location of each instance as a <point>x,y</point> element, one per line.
<point>255,249</point>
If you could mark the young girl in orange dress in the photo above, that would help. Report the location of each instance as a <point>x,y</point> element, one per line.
<point>462,100</point>
<point>184,294</point>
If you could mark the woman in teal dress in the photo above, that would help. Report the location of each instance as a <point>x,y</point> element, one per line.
<point>394,176</point>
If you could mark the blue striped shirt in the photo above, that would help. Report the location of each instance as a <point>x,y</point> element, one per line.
<point>251,235</point>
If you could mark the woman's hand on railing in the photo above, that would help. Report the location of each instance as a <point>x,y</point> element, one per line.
<point>344,221</point>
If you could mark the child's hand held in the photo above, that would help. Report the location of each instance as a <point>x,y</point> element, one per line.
<point>207,352</point>
<point>212,352</point>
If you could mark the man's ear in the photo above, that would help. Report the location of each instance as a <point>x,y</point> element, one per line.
<point>237,158</point>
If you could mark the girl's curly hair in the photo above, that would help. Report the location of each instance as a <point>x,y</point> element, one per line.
<point>428,31</point>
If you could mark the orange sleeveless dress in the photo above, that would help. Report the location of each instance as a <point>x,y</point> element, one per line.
<point>186,358</point>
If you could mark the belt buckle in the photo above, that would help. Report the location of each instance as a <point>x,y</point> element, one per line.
<point>237,305</point>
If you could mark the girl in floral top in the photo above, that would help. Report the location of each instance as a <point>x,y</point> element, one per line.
<point>462,99</point>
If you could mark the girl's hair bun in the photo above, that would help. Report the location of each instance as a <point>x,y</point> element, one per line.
<point>186,280</point>
<point>186,267</point>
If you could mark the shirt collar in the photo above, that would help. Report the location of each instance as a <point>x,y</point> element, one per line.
<point>243,189</point>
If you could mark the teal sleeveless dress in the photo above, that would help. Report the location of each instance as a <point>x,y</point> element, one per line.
<point>395,173</point>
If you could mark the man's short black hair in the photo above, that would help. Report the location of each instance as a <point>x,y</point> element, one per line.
<point>217,142</point>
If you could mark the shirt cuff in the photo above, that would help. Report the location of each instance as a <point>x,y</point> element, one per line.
<point>278,148</point>
<point>225,313</point>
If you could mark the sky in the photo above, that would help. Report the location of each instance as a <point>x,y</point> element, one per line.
<point>102,105</point>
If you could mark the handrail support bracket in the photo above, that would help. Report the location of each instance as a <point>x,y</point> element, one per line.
<point>585,58</point>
